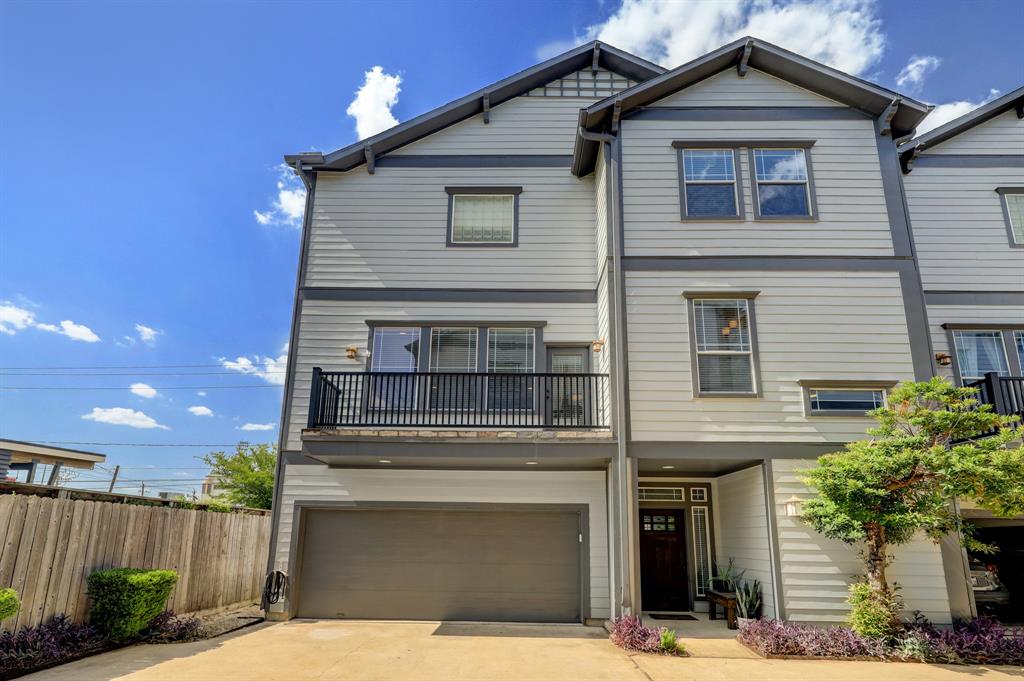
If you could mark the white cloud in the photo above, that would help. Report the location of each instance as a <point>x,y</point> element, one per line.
<point>143,390</point>
<point>257,426</point>
<point>290,204</point>
<point>147,334</point>
<point>200,411</point>
<point>912,76</point>
<point>78,332</point>
<point>845,34</point>
<point>122,416</point>
<point>944,113</point>
<point>372,104</point>
<point>270,369</point>
<point>14,318</point>
<point>201,393</point>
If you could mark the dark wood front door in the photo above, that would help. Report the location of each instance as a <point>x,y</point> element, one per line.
<point>663,578</point>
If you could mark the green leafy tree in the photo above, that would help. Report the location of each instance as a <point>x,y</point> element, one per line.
<point>246,475</point>
<point>924,454</point>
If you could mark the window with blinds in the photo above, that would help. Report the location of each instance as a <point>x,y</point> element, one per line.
<point>980,352</point>
<point>782,182</point>
<point>1013,205</point>
<point>395,349</point>
<point>483,219</point>
<point>724,346</point>
<point>701,550</point>
<point>510,351</point>
<point>709,183</point>
<point>453,350</point>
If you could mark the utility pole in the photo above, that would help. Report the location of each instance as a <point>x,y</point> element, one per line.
<point>142,489</point>
<point>117,469</point>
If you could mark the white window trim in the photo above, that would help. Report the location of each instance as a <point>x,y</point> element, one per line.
<point>430,348</point>
<point>755,367</point>
<point>487,361</point>
<point>684,211</point>
<point>1004,200</point>
<point>455,192</point>
<point>873,386</point>
<point>812,205</point>
<point>1000,334</point>
<point>701,589</point>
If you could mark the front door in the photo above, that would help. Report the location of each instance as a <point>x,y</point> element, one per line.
<point>568,397</point>
<point>663,578</point>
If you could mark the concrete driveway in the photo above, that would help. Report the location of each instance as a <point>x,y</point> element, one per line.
<point>308,650</point>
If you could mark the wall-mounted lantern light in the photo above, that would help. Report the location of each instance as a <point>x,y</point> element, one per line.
<point>597,345</point>
<point>352,351</point>
<point>794,507</point>
<point>943,359</point>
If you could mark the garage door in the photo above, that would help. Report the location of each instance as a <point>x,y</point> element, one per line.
<point>513,566</point>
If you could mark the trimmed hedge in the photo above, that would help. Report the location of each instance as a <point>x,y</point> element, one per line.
<point>125,600</point>
<point>9,603</point>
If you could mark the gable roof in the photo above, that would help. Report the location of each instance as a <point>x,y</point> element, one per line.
<point>855,92</point>
<point>588,55</point>
<point>1011,100</point>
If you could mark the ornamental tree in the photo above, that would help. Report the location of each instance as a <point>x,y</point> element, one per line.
<point>247,475</point>
<point>927,451</point>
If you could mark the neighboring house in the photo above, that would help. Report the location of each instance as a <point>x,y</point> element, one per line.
<point>211,488</point>
<point>965,193</point>
<point>41,464</point>
<point>560,346</point>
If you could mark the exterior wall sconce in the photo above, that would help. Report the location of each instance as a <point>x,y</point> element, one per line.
<point>943,359</point>
<point>597,345</point>
<point>794,507</point>
<point>352,351</point>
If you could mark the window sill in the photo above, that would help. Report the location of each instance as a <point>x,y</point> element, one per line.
<point>728,395</point>
<point>787,218</point>
<point>480,245</point>
<point>713,219</point>
<point>840,414</point>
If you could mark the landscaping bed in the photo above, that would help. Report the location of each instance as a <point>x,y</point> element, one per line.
<point>981,641</point>
<point>631,634</point>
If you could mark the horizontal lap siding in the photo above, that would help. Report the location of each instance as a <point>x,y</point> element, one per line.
<point>991,316</point>
<point>810,325</point>
<point>1003,134</point>
<point>816,571</point>
<point>847,178</point>
<point>742,529</point>
<point>960,229</point>
<point>389,230</point>
<point>500,487</point>
<point>524,125</point>
<point>755,89</point>
<point>326,328</point>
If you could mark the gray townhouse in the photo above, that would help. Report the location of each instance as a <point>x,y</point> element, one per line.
<point>562,345</point>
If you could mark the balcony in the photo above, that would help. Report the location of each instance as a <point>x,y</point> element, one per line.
<point>498,401</point>
<point>1004,393</point>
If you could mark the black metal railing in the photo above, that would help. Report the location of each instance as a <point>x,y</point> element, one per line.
<point>1004,393</point>
<point>498,400</point>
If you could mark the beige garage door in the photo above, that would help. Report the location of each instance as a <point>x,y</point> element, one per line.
<point>509,566</point>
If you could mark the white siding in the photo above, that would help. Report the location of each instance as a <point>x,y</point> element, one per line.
<point>389,230</point>
<point>755,89</point>
<point>326,328</point>
<point>499,487</point>
<point>960,229</point>
<point>524,125</point>
<point>1003,134</point>
<point>847,177</point>
<point>985,316</point>
<point>742,529</point>
<point>816,572</point>
<point>810,325</point>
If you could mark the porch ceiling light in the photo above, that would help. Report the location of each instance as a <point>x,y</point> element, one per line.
<point>668,468</point>
<point>532,463</point>
<point>384,461</point>
<point>794,506</point>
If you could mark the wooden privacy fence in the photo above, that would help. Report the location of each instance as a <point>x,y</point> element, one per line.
<point>49,546</point>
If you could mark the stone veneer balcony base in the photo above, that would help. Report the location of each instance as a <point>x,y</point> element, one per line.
<point>481,435</point>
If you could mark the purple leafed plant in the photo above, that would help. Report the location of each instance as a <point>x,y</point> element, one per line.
<point>980,641</point>
<point>31,648</point>
<point>773,637</point>
<point>630,633</point>
<point>170,628</point>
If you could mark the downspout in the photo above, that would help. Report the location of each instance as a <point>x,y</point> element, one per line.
<point>616,320</point>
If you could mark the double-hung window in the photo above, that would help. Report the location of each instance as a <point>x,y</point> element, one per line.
<point>483,216</point>
<point>709,186</point>
<point>1013,213</point>
<point>510,351</point>
<point>724,355</point>
<point>782,183</point>
<point>979,352</point>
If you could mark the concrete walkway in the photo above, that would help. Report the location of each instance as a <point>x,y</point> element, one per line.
<point>308,650</point>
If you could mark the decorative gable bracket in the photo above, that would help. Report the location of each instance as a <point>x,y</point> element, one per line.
<point>616,116</point>
<point>597,56</point>
<point>370,159</point>
<point>741,66</point>
<point>885,120</point>
<point>487,107</point>
<point>1020,109</point>
<point>907,159</point>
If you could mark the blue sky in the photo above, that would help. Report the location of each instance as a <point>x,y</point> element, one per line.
<point>139,139</point>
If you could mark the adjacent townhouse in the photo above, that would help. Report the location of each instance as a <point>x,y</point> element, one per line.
<point>564,344</point>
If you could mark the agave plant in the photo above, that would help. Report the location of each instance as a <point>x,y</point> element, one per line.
<point>729,576</point>
<point>748,598</point>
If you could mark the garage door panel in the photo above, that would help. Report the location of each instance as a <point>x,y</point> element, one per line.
<point>441,564</point>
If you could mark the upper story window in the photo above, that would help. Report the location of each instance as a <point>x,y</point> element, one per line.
<point>782,183</point>
<point>710,189</point>
<point>1013,213</point>
<point>483,216</point>
<point>453,350</point>
<point>510,350</point>
<point>395,349</point>
<point>980,352</point>
<point>724,356</point>
<point>1018,342</point>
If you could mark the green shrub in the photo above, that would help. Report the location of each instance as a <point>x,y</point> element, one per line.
<point>9,603</point>
<point>125,600</point>
<point>873,614</point>
<point>668,642</point>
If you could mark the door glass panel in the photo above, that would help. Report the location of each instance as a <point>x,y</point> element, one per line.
<point>568,395</point>
<point>701,549</point>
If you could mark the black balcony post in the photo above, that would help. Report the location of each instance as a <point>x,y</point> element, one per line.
<point>313,420</point>
<point>995,393</point>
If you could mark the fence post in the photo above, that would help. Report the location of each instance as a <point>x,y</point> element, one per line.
<point>313,419</point>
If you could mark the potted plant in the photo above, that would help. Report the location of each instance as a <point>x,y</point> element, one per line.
<point>725,579</point>
<point>748,601</point>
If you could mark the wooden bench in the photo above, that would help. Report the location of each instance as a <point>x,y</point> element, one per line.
<point>728,602</point>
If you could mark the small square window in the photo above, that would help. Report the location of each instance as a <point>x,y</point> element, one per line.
<point>483,216</point>
<point>698,494</point>
<point>856,401</point>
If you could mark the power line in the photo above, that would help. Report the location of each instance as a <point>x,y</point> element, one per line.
<point>121,387</point>
<point>261,372</point>
<point>136,444</point>
<point>115,366</point>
